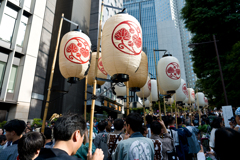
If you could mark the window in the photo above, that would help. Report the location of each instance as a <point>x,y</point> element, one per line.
<point>2,71</point>
<point>27,3</point>
<point>12,79</point>
<point>110,94</point>
<point>7,24</point>
<point>22,29</point>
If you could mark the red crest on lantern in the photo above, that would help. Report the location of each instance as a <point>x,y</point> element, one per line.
<point>173,71</point>
<point>149,85</point>
<point>184,89</point>
<point>100,66</point>
<point>127,38</point>
<point>193,94</point>
<point>76,50</point>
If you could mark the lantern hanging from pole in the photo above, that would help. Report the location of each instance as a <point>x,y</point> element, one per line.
<point>170,101</point>
<point>138,79</point>
<point>200,99</point>
<point>169,73</point>
<point>162,92</point>
<point>154,91</point>
<point>101,73</point>
<point>191,94</point>
<point>120,90</point>
<point>186,100</point>
<point>145,90</point>
<point>181,92</point>
<point>147,103</point>
<point>74,56</point>
<point>121,46</point>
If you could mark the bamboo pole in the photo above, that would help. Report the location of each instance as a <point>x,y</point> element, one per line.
<point>127,98</point>
<point>185,111</point>
<point>151,102</point>
<point>164,106</point>
<point>85,102</point>
<point>144,114</point>
<point>51,76</point>
<point>176,111</point>
<point>159,105</point>
<point>171,110</point>
<point>95,82</point>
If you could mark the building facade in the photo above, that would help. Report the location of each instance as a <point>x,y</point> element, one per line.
<point>145,12</point>
<point>24,25</point>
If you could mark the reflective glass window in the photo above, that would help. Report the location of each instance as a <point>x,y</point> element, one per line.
<point>22,30</point>
<point>12,79</point>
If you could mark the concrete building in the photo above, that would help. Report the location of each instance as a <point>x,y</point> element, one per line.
<point>25,30</point>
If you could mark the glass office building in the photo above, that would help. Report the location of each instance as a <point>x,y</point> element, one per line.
<point>144,12</point>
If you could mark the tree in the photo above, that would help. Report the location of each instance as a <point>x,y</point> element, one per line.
<point>221,18</point>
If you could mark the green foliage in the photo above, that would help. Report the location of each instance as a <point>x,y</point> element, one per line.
<point>37,121</point>
<point>221,18</point>
<point>2,124</point>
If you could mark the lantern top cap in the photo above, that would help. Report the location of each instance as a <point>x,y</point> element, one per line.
<point>124,11</point>
<point>166,55</point>
<point>77,30</point>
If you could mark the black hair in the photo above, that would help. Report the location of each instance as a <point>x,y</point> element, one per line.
<point>48,133</point>
<point>101,126</point>
<point>2,138</point>
<point>118,124</point>
<point>171,120</point>
<point>52,122</point>
<point>29,144</point>
<point>224,139</point>
<point>66,125</point>
<point>216,123</point>
<point>15,125</point>
<point>135,121</point>
<point>156,127</point>
<point>149,119</point>
<point>179,120</point>
<point>154,118</point>
<point>143,129</point>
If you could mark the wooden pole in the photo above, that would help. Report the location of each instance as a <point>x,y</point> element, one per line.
<point>127,98</point>
<point>159,105</point>
<point>85,102</point>
<point>51,76</point>
<point>95,82</point>
<point>144,110</point>
<point>164,107</point>
<point>176,111</point>
<point>151,103</point>
<point>171,110</point>
<point>185,111</point>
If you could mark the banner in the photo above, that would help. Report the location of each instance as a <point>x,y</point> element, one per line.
<point>227,114</point>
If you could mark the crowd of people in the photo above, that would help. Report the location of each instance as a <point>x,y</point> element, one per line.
<point>130,138</point>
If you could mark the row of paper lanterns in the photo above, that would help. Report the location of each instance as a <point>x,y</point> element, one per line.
<point>122,54</point>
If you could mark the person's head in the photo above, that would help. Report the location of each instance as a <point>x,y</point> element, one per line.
<point>118,124</point>
<point>156,127</point>
<point>101,126</point>
<point>48,133</point>
<point>35,125</point>
<point>225,138</point>
<point>237,115</point>
<point>149,119</point>
<point>134,122</point>
<point>29,145</point>
<point>179,121</point>
<point>154,118</point>
<point>28,129</point>
<point>217,123</point>
<point>14,129</point>
<point>28,123</point>
<point>46,123</point>
<point>1,131</point>
<point>3,140</point>
<point>95,120</point>
<point>52,123</point>
<point>171,121</point>
<point>70,129</point>
<point>144,131</point>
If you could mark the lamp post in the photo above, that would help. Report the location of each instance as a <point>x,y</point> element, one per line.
<point>219,63</point>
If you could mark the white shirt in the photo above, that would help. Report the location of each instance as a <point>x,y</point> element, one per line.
<point>212,138</point>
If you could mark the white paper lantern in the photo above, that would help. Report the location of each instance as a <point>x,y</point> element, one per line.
<point>139,78</point>
<point>135,105</point>
<point>170,101</point>
<point>181,92</point>
<point>154,91</point>
<point>121,45</point>
<point>120,90</point>
<point>147,103</point>
<point>200,99</point>
<point>162,92</point>
<point>74,55</point>
<point>206,101</point>
<point>101,73</point>
<point>169,74</point>
<point>191,95</point>
<point>186,100</point>
<point>146,90</point>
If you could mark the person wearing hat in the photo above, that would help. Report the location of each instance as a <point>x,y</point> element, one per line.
<point>237,118</point>
<point>232,122</point>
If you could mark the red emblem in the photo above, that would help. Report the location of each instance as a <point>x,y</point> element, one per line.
<point>173,71</point>
<point>193,94</point>
<point>206,100</point>
<point>184,89</point>
<point>127,38</point>
<point>77,50</point>
<point>149,85</point>
<point>100,66</point>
